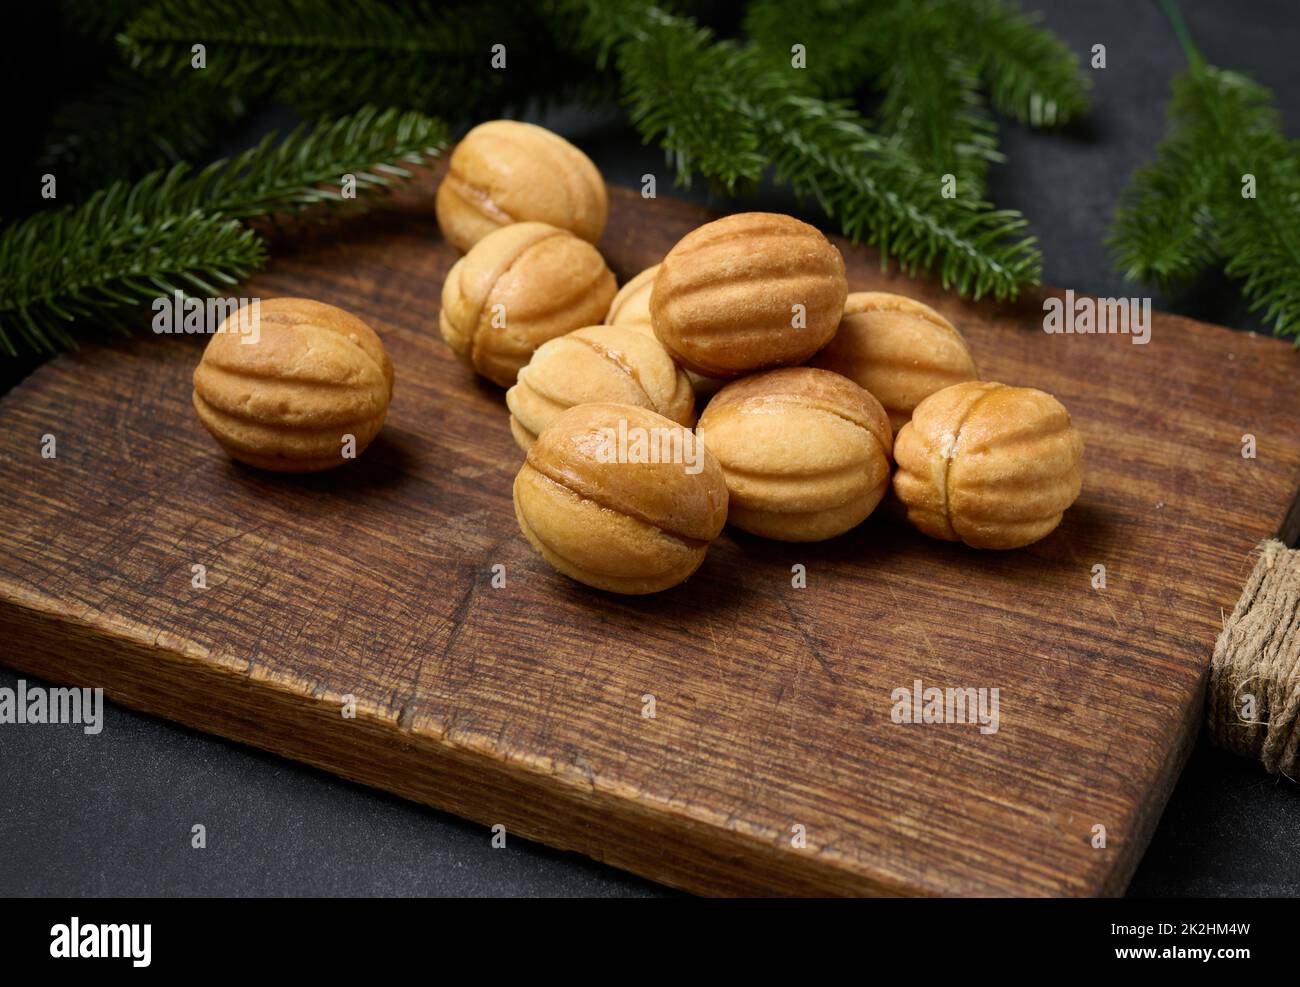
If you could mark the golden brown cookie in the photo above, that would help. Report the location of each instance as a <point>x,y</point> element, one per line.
<point>805,452</point>
<point>504,172</point>
<point>598,363</point>
<point>989,465</point>
<point>631,308</point>
<point>747,292</point>
<point>519,287</point>
<point>604,500</point>
<point>306,390</point>
<point>899,349</point>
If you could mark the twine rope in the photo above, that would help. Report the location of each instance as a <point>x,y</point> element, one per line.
<point>1253,700</point>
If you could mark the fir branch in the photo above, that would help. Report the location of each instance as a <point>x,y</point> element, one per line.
<point>842,39</point>
<point>1030,73</point>
<point>1187,209</point>
<point>874,187</point>
<point>247,37</point>
<point>180,230</point>
<point>921,55</point>
<point>932,100</point>
<point>331,56</point>
<point>1162,231</point>
<point>940,116</point>
<point>679,88</point>
<point>97,259</point>
<point>306,167</point>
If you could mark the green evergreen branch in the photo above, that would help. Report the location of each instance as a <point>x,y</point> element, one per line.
<point>331,56</point>
<point>1030,73</point>
<point>307,166</point>
<point>91,262</point>
<point>843,40</point>
<point>246,37</point>
<point>926,59</point>
<point>876,189</point>
<point>933,104</point>
<point>679,89</point>
<point>176,230</point>
<point>1259,234</point>
<point>1163,231</point>
<point>1187,210</point>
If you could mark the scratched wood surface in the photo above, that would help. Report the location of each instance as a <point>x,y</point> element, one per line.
<point>523,705</point>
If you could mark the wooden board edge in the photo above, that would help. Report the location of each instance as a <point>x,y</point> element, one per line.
<point>1288,532</point>
<point>1149,812</point>
<point>683,852</point>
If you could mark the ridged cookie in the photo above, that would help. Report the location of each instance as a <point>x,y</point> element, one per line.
<point>989,465</point>
<point>504,172</point>
<point>748,292</point>
<point>805,452</point>
<point>899,349</point>
<point>517,288</point>
<point>598,363</point>
<point>288,401</point>
<point>601,514</point>
<point>631,308</point>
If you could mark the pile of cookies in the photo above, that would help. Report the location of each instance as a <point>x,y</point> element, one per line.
<point>807,396</point>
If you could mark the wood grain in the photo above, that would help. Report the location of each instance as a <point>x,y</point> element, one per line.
<point>523,705</point>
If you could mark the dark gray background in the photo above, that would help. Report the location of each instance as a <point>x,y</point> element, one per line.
<point>111,815</point>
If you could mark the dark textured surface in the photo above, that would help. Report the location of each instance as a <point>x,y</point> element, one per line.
<point>112,814</point>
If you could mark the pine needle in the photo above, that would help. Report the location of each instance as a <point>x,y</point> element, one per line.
<point>1030,73</point>
<point>877,189</point>
<point>880,195</point>
<point>930,60</point>
<point>1191,208</point>
<point>179,230</point>
<point>680,92</point>
<point>84,263</point>
<point>332,56</point>
<point>306,167</point>
<point>844,41</point>
<point>932,103</point>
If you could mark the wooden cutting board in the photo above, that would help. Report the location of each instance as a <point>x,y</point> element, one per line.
<point>523,705</point>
